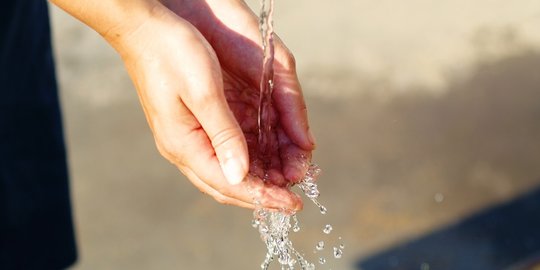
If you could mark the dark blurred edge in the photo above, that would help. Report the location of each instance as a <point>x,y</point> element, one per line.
<point>533,263</point>
<point>506,236</point>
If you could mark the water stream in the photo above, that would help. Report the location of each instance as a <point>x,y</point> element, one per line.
<point>266,27</point>
<point>274,227</point>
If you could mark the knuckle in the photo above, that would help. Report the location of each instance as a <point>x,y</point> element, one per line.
<point>224,136</point>
<point>204,96</point>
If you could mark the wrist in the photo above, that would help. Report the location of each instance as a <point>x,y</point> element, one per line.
<point>114,20</point>
<point>123,32</point>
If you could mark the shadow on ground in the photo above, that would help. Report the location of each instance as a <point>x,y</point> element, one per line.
<point>478,144</point>
<point>497,238</point>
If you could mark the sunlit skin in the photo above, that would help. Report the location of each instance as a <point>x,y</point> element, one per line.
<point>196,66</point>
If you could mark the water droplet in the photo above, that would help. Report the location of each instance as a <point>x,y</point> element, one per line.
<point>292,262</point>
<point>314,170</point>
<point>342,246</point>
<point>263,229</point>
<point>322,260</point>
<point>323,210</point>
<point>320,246</point>
<point>309,187</point>
<point>261,213</point>
<point>296,227</point>
<point>284,260</point>
<point>266,177</point>
<point>327,229</point>
<point>255,223</point>
<point>338,253</point>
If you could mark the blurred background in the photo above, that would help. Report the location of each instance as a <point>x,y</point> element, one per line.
<point>427,115</point>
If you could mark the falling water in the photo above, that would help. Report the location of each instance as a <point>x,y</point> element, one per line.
<point>274,227</point>
<point>266,26</point>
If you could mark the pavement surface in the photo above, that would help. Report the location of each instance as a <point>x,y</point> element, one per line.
<point>427,115</point>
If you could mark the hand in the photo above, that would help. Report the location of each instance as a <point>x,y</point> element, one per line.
<point>233,32</point>
<point>186,85</point>
<point>232,29</point>
<point>205,138</point>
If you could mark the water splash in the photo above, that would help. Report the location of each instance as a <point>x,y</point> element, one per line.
<point>296,226</point>
<point>309,187</point>
<point>274,226</point>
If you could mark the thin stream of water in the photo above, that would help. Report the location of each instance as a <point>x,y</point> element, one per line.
<point>266,27</point>
<point>273,226</point>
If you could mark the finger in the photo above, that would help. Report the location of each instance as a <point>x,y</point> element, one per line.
<point>271,196</point>
<point>207,189</point>
<point>295,160</point>
<point>289,100</point>
<point>247,193</point>
<point>191,148</point>
<point>288,93</point>
<point>206,101</point>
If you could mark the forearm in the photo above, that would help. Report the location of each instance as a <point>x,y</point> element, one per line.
<point>112,19</point>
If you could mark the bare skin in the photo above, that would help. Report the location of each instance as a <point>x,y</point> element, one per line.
<point>196,66</point>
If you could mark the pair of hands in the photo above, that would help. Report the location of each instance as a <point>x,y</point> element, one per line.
<point>197,66</point>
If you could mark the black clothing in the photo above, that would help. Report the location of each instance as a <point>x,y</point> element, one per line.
<point>35,216</point>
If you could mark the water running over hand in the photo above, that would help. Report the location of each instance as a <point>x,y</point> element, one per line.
<point>274,226</point>
<point>266,27</point>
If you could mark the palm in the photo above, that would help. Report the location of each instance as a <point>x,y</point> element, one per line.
<point>281,164</point>
<point>232,31</point>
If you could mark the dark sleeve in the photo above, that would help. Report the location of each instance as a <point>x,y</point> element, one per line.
<point>35,216</point>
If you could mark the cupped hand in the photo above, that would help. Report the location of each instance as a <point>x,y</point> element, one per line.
<point>197,79</point>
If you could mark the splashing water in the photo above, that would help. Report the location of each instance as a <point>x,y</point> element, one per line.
<point>296,226</point>
<point>273,226</point>
<point>310,188</point>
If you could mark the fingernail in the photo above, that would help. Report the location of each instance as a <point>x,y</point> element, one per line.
<point>234,171</point>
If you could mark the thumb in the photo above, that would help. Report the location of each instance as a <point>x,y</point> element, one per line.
<point>225,135</point>
<point>206,100</point>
